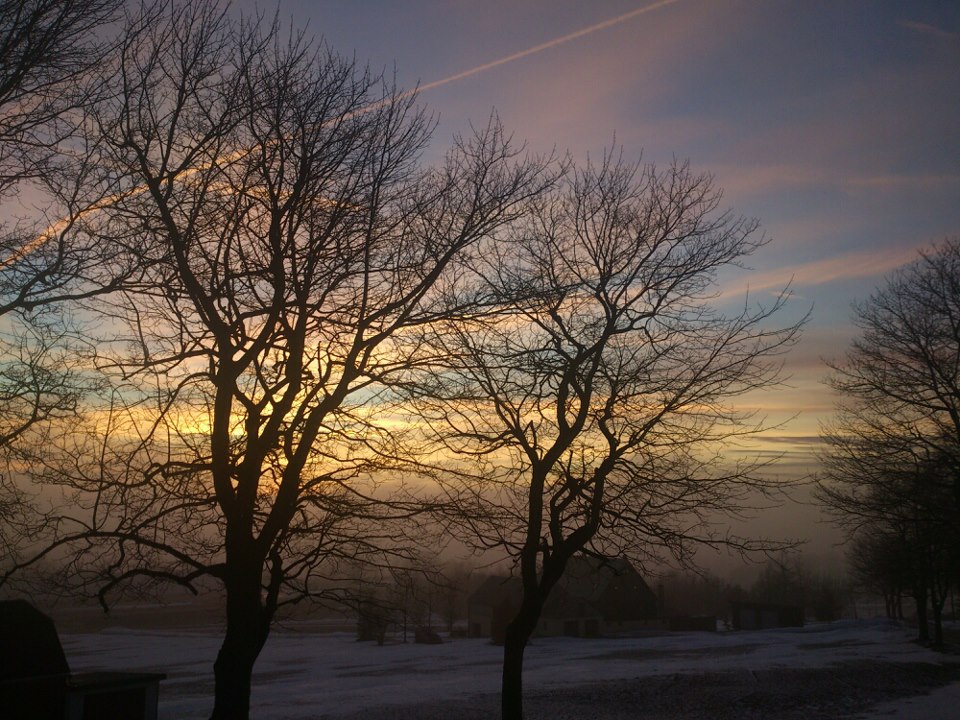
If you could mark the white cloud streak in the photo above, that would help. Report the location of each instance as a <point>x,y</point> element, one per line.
<point>59,225</point>
<point>547,45</point>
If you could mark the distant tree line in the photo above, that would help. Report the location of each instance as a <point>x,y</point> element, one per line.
<point>786,580</point>
<point>409,602</point>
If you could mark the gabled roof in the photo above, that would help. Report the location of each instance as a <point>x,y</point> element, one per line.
<point>589,586</point>
<point>590,577</point>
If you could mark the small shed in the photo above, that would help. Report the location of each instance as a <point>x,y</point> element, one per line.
<point>36,682</point>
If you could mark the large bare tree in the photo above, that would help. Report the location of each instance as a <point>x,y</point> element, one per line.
<point>269,194</point>
<point>591,412</point>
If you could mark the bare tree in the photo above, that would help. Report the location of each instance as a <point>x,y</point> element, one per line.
<point>268,192</point>
<point>48,51</point>
<point>699,593</point>
<point>879,567</point>
<point>590,413</point>
<point>790,580</point>
<point>453,589</point>
<point>892,464</point>
<point>895,500</point>
<point>900,382</point>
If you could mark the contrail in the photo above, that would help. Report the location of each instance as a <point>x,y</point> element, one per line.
<point>547,45</point>
<point>517,55</point>
<point>58,226</point>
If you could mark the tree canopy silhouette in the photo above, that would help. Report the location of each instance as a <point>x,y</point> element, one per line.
<point>269,195</point>
<point>589,413</point>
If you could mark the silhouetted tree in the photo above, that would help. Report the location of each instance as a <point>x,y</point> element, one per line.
<point>893,450</point>
<point>48,50</point>
<point>268,193</point>
<point>700,593</point>
<point>453,588</point>
<point>879,565</point>
<point>783,581</point>
<point>897,503</point>
<point>790,580</point>
<point>588,413</point>
<point>899,383</point>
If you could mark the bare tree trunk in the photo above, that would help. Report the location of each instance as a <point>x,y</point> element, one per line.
<point>923,629</point>
<point>517,635</point>
<point>937,601</point>
<point>248,625</point>
<point>937,625</point>
<point>232,671</point>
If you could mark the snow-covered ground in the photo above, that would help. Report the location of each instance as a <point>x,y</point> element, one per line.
<point>306,676</point>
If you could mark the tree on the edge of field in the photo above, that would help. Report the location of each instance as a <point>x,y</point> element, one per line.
<point>892,463</point>
<point>590,413</point>
<point>878,566</point>
<point>48,51</point>
<point>269,194</point>
<point>700,593</point>
<point>899,382</point>
<point>789,580</point>
<point>896,503</point>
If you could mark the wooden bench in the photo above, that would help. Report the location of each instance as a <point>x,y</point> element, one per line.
<point>36,683</point>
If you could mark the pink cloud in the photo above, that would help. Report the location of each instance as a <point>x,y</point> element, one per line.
<point>555,42</point>
<point>860,264</point>
<point>577,90</point>
<point>931,30</point>
<point>758,179</point>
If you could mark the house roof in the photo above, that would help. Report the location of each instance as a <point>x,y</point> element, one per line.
<point>589,586</point>
<point>590,578</point>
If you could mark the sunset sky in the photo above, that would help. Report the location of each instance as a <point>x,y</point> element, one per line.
<point>837,124</point>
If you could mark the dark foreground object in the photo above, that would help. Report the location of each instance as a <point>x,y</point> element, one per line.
<point>842,691</point>
<point>36,684</point>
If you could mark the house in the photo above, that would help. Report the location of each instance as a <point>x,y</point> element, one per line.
<point>490,607</point>
<point>594,597</point>
<point>764,616</point>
